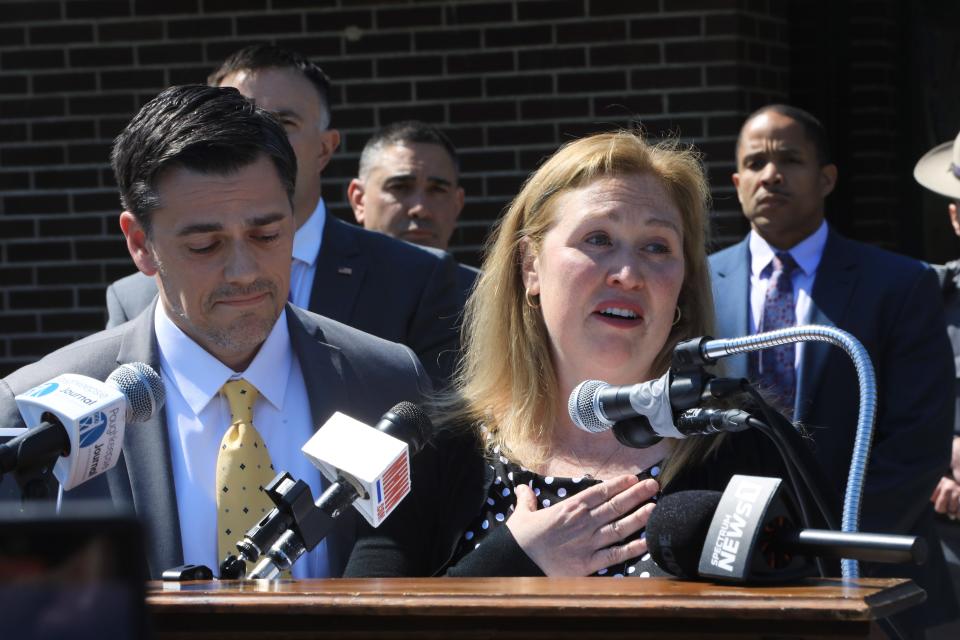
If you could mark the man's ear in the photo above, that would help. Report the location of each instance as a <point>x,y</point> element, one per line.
<point>735,178</point>
<point>329,141</point>
<point>137,244</point>
<point>828,179</point>
<point>355,198</point>
<point>529,267</point>
<point>954,220</point>
<point>460,199</point>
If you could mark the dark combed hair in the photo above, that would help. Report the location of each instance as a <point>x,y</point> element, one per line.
<point>812,127</point>
<point>404,133</point>
<point>269,56</point>
<point>204,129</point>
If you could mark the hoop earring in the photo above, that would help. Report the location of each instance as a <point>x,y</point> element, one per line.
<point>676,320</point>
<point>533,301</point>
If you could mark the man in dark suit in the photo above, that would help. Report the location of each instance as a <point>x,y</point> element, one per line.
<point>793,266</point>
<point>207,184</point>
<point>392,289</point>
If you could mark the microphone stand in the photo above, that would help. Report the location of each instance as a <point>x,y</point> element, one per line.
<point>706,351</point>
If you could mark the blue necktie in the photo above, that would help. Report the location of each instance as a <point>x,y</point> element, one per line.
<point>778,374</point>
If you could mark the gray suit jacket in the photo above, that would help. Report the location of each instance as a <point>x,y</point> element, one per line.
<point>343,369</point>
<point>390,288</point>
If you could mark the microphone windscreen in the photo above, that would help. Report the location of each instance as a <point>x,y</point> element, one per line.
<point>408,422</point>
<point>580,406</point>
<point>142,387</point>
<point>677,528</point>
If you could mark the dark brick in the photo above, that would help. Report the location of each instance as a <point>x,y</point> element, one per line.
<point>13,180</point>
<point>92,297</point>
<point>519,85</point>
<point>187,75</point>
<point>31,156</point>
<point>61,34</point>
<point>724,126</point>
<point>665,77</point>
<point>106,178</point>
<point>63,130</point>
<point>416,111</point>
<point>32,59</point>
<point>624,55</point>
<point>662,28</point>
<point>550,9</point>
<point>214,6</point>
<point>486,160</point>
<point>26,205</point>
<point>171,53</point>
<point>518,36</point>
<point>627,105</point>
<point>591,81</point>
<point>30,11</point>
<point>480,62</point>
<point>379,92</point>
<point>76,274</point>
<point>710,101</point>
<point>465,137</point>
<point>103,104</point>
<point>19,276</point>
<point>482,12</point>
<point>130,31</point>
<point>379,43</point>
<point>13,84</point>
<point>38,346</point>
<point>167,7</point>
<point>483,210</point>
<point>409,17</point>
<point>12,132</point>
<point>12,36</point>
<point>472,185</point>
<point>397,66</point>
<point>87,153</point>
<point>199,28</point>
<point>101,249</point>
<point>551,108</point>
<point>552,58</point>
<point>116,270</point>
<point>731,75</point>
<point>486,111</point>
<point>339,20</point>
<point>575,130</point>
<point>342,166</point>
<point>351,117</point>
<point>152,79</point>
<point>65,179</point>
<point>280,23</point>
<point>456,88</point>
<point>730,24</point>
<point>504,185</point>
<point>91,321</point>
<point>591,32</point>
<point>616,7</point>
<point>101,57</point>
<point>98,9</point>
<point>64,82</point>
<point>521,134</point>
<point>45,251</point>
<point>96,201</point>
<point>31,107</point>
<point>313,46</point>
<point>446,40</point>
<point>701,51</point>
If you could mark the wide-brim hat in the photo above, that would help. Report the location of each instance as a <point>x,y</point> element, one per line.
<point>939,169</point>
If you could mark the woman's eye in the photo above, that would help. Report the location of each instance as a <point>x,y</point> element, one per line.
<point>599,239</point>
<point>658,247</point>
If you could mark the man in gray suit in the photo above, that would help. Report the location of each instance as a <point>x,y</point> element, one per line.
<point>392,289</point>
<point>207,184</point>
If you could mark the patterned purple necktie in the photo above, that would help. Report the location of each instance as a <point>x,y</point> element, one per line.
<point>777,371</point>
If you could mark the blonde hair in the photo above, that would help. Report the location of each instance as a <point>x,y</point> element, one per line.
<point>506,379</point>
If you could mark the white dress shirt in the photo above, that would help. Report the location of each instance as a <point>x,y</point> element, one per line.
<point>807,255</point>
<point>306,248</point>
<point>198,416</point>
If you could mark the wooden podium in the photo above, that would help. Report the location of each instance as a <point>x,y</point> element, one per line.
<point>528,608</point>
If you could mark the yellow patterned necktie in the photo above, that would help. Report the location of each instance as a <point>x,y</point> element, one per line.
<point>243,469</point>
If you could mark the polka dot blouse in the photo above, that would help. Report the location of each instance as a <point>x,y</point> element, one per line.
<point>549,490</point>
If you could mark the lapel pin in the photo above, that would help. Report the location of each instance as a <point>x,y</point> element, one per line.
<point>345,271</point>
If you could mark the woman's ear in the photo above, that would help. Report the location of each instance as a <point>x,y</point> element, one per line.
<point>137,244</point>
<point>529,266</point>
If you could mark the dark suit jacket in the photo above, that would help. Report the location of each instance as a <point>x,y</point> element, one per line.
<point>890,303</point>
<point>343,369</point>
<point>390,288</point>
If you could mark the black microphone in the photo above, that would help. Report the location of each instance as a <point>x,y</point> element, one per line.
<point>77,422</point>
<point>750,537</point>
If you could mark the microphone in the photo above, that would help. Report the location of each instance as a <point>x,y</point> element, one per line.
<point>746,534</point>
<point>369,468</point>
<point>80,421</point>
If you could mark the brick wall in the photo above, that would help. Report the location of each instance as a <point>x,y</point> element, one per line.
<point>509,80</point>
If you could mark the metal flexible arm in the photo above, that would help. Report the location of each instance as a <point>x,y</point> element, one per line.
<point>712,349</point>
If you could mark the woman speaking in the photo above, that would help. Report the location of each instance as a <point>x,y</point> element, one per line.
<point>596,271</point>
